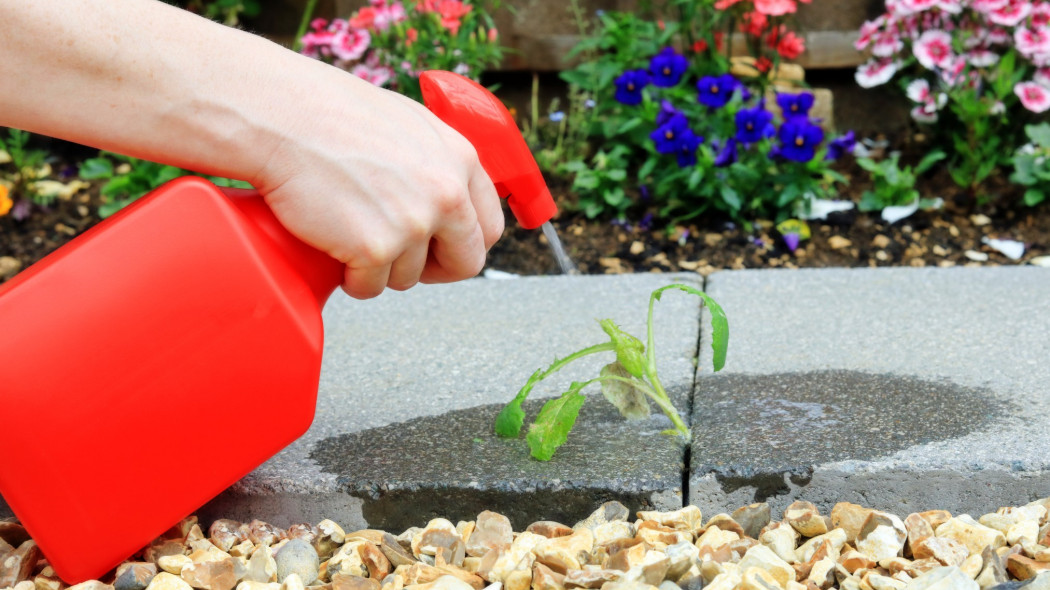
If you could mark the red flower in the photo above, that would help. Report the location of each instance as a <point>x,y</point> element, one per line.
<point>763,64</point>
<point>724,4</point>
<point>412,35</point>
<point>700,46</point>
<point>719,40</point>
<point>364,18</point>
<point>790,45</point>
<point>754,24</point>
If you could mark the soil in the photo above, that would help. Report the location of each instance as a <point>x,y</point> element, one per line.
<point>947,237</point>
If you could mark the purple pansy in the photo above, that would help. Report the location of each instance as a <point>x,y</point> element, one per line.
<point>842,144</point>
<point>795,105</point>
<point>686,149</point>
<point>629,86</point>
<point>667,67</point>
<point>727,155</point>
<point>754,125</point>
<point>667,135</point>
<point>715,91</point>
<point>799,139</point>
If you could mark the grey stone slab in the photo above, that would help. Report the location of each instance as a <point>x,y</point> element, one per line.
<point>411,383</point>
<point>900,389</point>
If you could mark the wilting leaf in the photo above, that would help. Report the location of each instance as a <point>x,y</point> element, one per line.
<point>631,401</point>
<point>630,351</point>
<point>554,422</point>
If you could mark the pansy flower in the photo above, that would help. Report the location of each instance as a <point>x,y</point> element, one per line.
<point>799,139</point>
<point>667,135</point>
<point>667,67</point>
<point>754,125</point>
<point>795,105</point>
<point>726,155</point>
<point>665,113</point>
<point>686,149</point>
<point>841,145</point>
<point>629,86</point>
<point>715,91</point>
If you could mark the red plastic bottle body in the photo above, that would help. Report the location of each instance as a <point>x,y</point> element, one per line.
<point>150,364</point>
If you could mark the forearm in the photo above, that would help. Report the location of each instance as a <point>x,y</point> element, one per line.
<point>146,79</point>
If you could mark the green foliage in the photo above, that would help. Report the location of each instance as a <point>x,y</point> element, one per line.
<point>130,178</point>
<point>228,12</point>
<point>23,167</point>
<point>599,183</point>
<point>893,185</point>
<point>1031,164</point>
<point>627,383</point>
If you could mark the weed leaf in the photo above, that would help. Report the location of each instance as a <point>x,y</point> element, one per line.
<point>631,401</point>
<point>511,417</point>
<point>554,422</point>
<point>719,323</point>
<point>630,352</point>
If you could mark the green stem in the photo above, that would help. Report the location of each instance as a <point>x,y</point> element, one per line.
<point>658,395</point>
<point>558,364</point>
<point>308,14</point>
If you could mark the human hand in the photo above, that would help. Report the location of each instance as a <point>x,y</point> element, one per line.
<point>384,186</point>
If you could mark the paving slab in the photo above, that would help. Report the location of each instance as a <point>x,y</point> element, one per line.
<point>900,389</point>
<point>411,383</point>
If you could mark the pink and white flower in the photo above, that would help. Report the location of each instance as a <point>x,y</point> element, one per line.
<point>350,44</point>
<point>950,6</point>
<point>988,6</point>
<point>876,72</point>
<point>1040,16</point>
<point>1035,97</point>
<point>933,49</point>
<point>887,44</point>
<point>919,90</point>
<point>998,36</point>
<point>924,113</point>
<point>378,76</point>
<point>1011,14</point>
<point>868,31</point>
<point>1042,76</point>
<point>982,57</point>
<point>1031,42</point>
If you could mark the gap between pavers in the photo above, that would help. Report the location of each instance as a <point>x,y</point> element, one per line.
<point>411,383</point>
<point>898,389</point>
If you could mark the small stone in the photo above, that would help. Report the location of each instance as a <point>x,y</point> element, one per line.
<point>351,582</point>
<point>882,536</point>
<point>882,256</point>
<point>752,518</point>
<point>757,579</point>
<point>88,585</point>
<point>971,566</point>
<point>608,512</point>
<point>167,581</point>
<point>680,557</point>
<point>9,267</point>
<point>822,574</point>
<point>805,518</point>
<point>518,580</point>
<point>1022,567</point>
<point>850,518</point>
<point>30,585</point>
<point>834,540</point>
<point>519,556</point>
<point>668,585</point>
<point>377,564</point>
<point>543,578</point>
<point>210,574</point>
<point>249,585</point>
<point>347,560</point>
<point>637,247</point>
<point>659,537</point>
<point>971,533</point>
<point>611,532</point>
<point>225,533</point>
<point>563,553</point>
<point>293,582</point>
<point>976,256</point>
<point>51,582</point>
<point>157,550</point>
<point>304,531</point>
<point>18,564</point>
<point>936,517</point>
<point>839,242</point>
<point>880,582</point>
<point>330,537</point>
<point>264,533</point>
<point>939,250</point>
<point>687,519</point>
<point>945,550</point>
<point>134,576</point>
<point>918,529</point>
<point>943,578</point>
<point>880,241</point>
<point>980,220</point>
<point>173,564</point>
<point>854,560</point>
<point>781,538</point>
<point>714,537</point>
<point>440,535</point>
<point>262,567</point>
<point>546,528</point>
<point>242,549</point>
<point>393,551</point>
<point>764,558</point>
<point>591,578</point>
<point>297,557</point>
<point>1043,261</point>
<point>726,523</point>
<point>494,531</point>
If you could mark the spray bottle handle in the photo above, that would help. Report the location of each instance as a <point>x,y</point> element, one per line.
<point>478,115</point>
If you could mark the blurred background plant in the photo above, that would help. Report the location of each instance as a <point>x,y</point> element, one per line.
<point>27,177</point>
<point>228,12</point>
<point>976,72</point>
<point>1031,163</point>
<point>389,43</point>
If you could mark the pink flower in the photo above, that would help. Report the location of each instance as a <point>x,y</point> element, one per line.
<point>913,6</point>
<point>933,49</point>
<point>388,14</point>
<point>1011,14</point>
<point>1031,42</point>
<point>1042,77</point>
<point>1034,97</point>
<point>493,34</point>
<point>724,4</point>
<point>981,57</point>
<point>1040,16</point>
<point>950,6</point>
<point>998,36</point>
<point>364,18</point>
<point>875,73</point>
<point>924,113</point>
<point>317,44</point>
<point>868,31</point>
<point>351,44</point>
<point>789,45</point>
<point>988,6</point>
<point>775,7</point>
<point>378,76</point>
<point>919,90</point>
<point>754,23</point>
<point>887,44</point>
<point>451,11</point>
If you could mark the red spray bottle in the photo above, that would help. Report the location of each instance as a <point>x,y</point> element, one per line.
<point>125,352</point>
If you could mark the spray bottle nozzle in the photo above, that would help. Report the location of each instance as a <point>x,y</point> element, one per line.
<point>478,115</point>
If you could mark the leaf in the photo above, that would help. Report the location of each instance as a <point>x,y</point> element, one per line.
<point>1039,134</point>
<point>719,323</point>
<point>928,161</point>
<point>1033,197</point>
<point>554,422</point>
<point>629,400</point>
<point>630,352</point>
<point>96,168</point>
<point>511,417</point>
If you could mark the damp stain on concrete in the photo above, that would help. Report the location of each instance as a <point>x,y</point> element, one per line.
<point>765,431</point>
<point>452,465</point>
